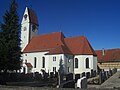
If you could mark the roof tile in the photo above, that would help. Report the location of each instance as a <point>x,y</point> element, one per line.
<point>56,43</point>
<point>109,55</point>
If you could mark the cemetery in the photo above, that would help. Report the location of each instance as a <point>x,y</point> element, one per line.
<point>56,80</point>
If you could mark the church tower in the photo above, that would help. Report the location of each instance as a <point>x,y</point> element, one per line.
<point>29,27</point>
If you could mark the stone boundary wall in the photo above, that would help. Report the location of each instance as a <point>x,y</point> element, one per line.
<point>44,88</point>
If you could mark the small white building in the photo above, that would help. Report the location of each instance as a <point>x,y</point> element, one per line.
<point>52,52</point>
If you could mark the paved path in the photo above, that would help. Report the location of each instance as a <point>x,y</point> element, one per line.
<point>112,82</point>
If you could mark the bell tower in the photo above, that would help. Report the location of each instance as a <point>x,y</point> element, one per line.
<point>29,27</point>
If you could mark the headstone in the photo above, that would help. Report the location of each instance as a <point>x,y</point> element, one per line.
<point>82,83</point>
<point>107,74</point>
<point>51,74</point>
<point>38,77</point>
<point>56,74</point>
<point>88,75</point>
<point>68,84</point>
<point>69,77</point>
<point>46,75</point>
<point>77,76</point>
<point>92,73</point>
<point>110,71</point>
<point>83,74</point>
<point>100,77</point>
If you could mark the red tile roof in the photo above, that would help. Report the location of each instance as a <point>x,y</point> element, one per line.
<point>110,55</point>
<point>79,45</point>
<point>56,43</point>
<point>44,42</point>
<point>60,50</point>
<point>29,65</point>
<point>33,16</point>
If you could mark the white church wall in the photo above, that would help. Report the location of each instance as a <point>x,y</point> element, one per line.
<point>39,55</point>
<point>69,63</point>
<point>25,20</point>
<point>54,61</point>
<point>28,29</point>
<point>49,62</point>
<point>24,36</point>
<point>95,63</point>
<point>82,64</point>
<point>25,29</point>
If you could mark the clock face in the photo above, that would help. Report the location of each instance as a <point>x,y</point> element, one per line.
<point>25,16</point>
<point>25,29</point>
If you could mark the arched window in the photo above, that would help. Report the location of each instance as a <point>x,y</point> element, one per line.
<point>87,62</point>
<point>76,63</point>
<point>43,62</point>
<point>35,62</point>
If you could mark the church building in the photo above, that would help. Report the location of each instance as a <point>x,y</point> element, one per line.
<point>53,51</point>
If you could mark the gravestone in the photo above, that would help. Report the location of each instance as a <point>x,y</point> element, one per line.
<point>38,76</point>
<point>88,75</point>
<point>92,73</point>
<point>51,74</point>
<point>46,75</point>
<point>56,74</point>
<point>68,84</point>
<point>107,74</point>
<point>69,77</point>
<point>77,76</point>
<point>100,77</point>
<point>110,71</point>
<point>83,74</point>
<point>82,83</point>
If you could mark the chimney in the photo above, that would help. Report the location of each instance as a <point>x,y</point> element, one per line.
<point>103,51</point>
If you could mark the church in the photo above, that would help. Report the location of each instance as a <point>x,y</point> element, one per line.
<point>53,51</point>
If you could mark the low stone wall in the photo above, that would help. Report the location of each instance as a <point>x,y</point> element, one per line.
<point>44,88</point>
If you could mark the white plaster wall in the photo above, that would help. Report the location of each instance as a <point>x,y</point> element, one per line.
<point>95,63</point>
<point>69,62</point>
<point>55,63</point>
<point>25,34</point>
<point>30,59</point>
<point>49,63</point>
<point>82,64</point>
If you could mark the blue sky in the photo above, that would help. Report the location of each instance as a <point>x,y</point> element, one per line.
<point>98,20</point>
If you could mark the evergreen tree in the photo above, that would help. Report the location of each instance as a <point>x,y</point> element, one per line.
<point>10,40</point>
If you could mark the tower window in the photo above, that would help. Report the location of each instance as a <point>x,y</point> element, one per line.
<point>76,63</point>
<point>33,28</point>
<point>87,62</point>
<point>25,17</point>
<point>25,29</point>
